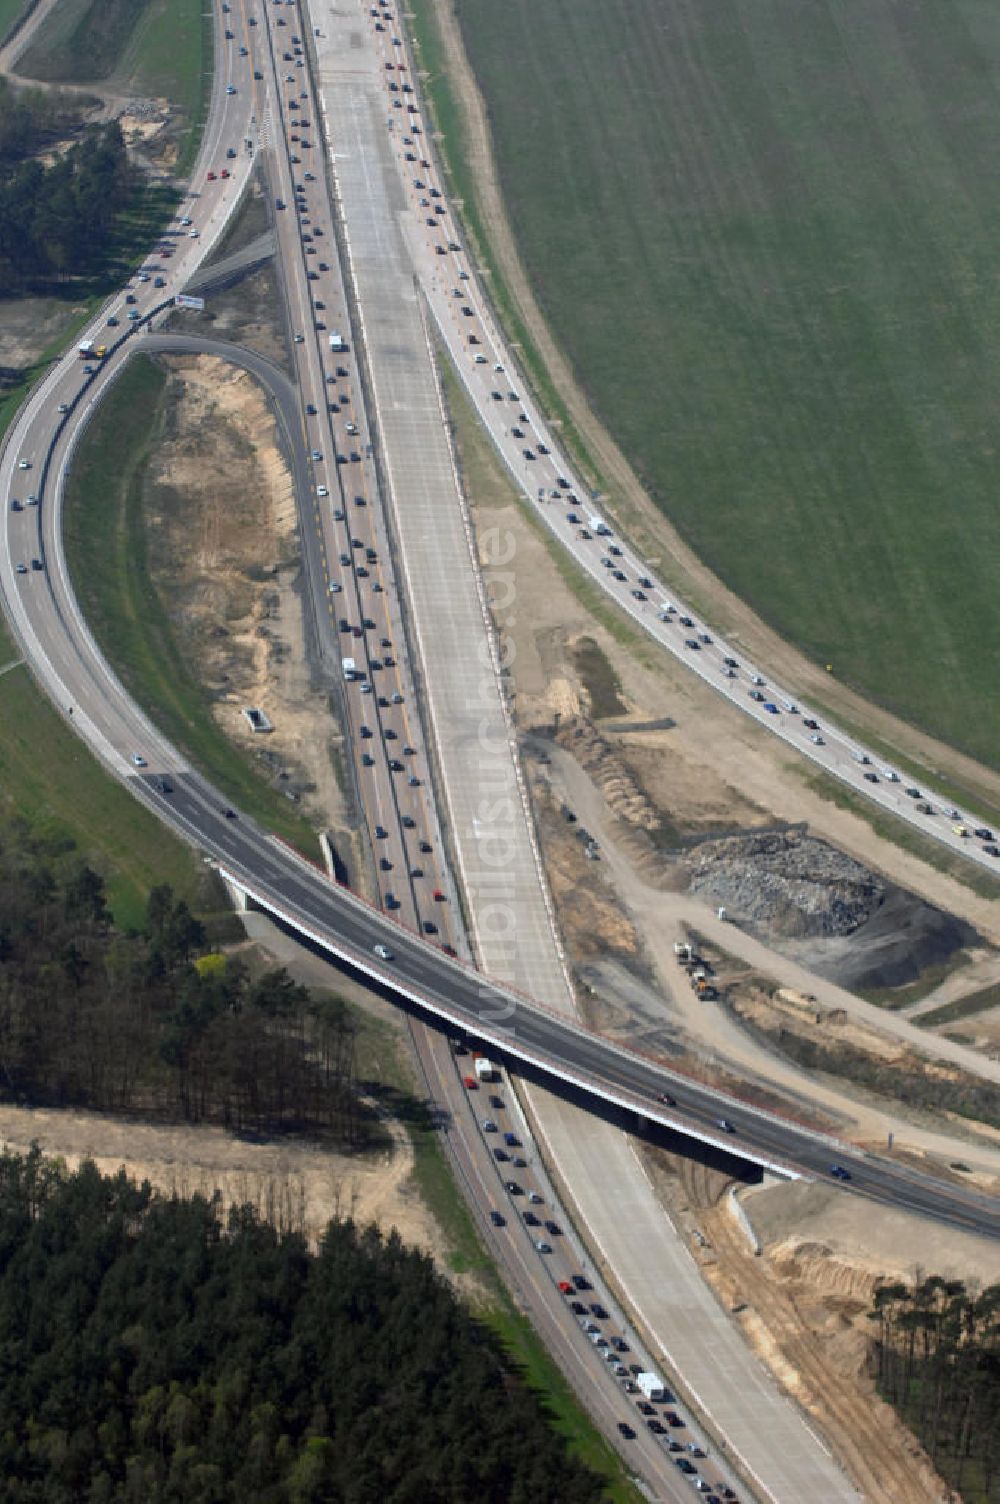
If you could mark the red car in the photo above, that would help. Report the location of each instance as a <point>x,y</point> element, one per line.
<point>224,173</point>
<point>211,177</point>
<point>470,1083</point>
<point>565,1287</point>
<point>439,895</point>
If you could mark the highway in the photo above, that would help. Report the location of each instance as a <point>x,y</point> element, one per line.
<point>57,644</point>
<point>61,651</point>
<point>67,662</point>
<point>544,473</point>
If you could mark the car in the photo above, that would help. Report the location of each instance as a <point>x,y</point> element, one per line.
<point>839,1172</point>
<point>666,1099</point>
<point>817,740</point>
<point>983,833</point>
<point>230,88</point>
<point>625,1431</point>
<point>497,1218</point>
<point>914,793</point>
<point>619,1344</point>
<point>489,1126</point>
<point>383,952</point>
<point>871,777</point>
<point>513,1188</point>
<point>63,407</point>
<point>582,1284</point>
<point>470,1083</point>
<point>24,464</point>
<point>36,564</point>
<point>696,1450</point>
<point>553,1229</point>
<point>542,1246</point>
<point>426,846</point>
<point>599,1310</point>
<point>21,568</point>
<point>322,491</point>
<point>510,1139</point>
<point>531,1220</point>
<point>536,1198</point>
<point>565,1288</point>
<point>385,865</point>
<point>497,1102</point>
<point>656,1426</point>
<point>139,760</point>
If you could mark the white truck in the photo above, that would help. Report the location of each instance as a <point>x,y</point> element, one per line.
<point>485,1069</point>
<point>350,670</point>
<point>599,527</point>
<point>338,342</point>
<point>651,1386</point>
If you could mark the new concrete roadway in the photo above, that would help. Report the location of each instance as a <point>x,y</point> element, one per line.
<point>56,642</point>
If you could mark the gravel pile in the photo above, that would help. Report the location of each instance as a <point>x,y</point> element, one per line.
<point>785,882</point>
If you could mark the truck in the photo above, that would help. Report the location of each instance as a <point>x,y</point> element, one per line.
<point>485,1069</point>
<point>86,350</point>
<point>650,1385</point>
<point>350,670</point>
<point>338,342</point>
<point>599,527</point>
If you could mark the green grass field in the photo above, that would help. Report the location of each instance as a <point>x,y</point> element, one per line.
<point>159,48</point>
<point>11,12</point>
<point>106,548</point>
<point>49,778</point>
<point>764,234</point>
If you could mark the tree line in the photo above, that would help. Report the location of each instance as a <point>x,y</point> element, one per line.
<point>57,221</point>
<point>156,1353</point>
<point>147,1021</point>
<point>936,1359</point>
<point>32,119</point>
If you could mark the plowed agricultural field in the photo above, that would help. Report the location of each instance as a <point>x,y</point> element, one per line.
<point>767,232</point>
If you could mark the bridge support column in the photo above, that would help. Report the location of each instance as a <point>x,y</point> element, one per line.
<point>239,900</point>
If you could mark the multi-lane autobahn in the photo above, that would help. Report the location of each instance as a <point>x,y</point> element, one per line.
<point>561,500</point>
<point>327,424</point>
<point>61,651</point>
